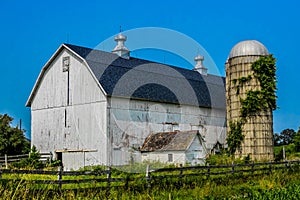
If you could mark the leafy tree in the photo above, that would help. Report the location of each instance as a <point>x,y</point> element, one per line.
<point>285,137</point>
<point>276,139</point>
<point>12,139</point>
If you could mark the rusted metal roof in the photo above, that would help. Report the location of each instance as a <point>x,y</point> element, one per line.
<point>169,141</point>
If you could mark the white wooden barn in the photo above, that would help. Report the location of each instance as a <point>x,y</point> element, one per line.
<point>178,147</point>
<point>91,107</point>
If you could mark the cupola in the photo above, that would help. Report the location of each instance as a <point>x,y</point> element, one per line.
<point>199,65</point>
<point>120,49</point>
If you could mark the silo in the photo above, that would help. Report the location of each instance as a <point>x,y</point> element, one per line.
<point>258,128</point>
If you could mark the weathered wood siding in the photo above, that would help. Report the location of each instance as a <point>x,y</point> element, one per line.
<point>196,153</point>
<point>178,157</point>
<point>131,121</point>
<point>69,112</point>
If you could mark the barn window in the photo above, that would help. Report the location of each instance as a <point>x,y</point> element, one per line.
<point>170,157</point>
<point>66,63</point>
<point>65,68</point>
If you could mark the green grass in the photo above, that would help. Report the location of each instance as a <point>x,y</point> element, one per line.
<point>277,185</point>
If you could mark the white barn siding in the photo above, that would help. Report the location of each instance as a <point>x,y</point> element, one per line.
<point>73,159</point>
<point>163,157</point>
<point>81,124</point>
<point>209,122</point>
<point>131,121</point>
<point>196,153</point>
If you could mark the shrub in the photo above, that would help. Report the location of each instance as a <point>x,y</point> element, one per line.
<point>33,161</point>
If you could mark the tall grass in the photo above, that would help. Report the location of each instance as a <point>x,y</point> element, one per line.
<point>278,185</point>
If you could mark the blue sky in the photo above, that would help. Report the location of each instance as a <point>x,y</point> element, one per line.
<point>32,30</point>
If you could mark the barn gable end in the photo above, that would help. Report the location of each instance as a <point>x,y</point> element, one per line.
<point>68,108</point>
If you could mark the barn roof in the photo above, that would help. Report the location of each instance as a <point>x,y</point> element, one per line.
<point>146,80</point>
<point>169,141</point>
<point>143,79</point>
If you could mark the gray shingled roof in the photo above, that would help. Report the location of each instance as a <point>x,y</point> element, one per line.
<point>169,141</point>
<point>142,79</point>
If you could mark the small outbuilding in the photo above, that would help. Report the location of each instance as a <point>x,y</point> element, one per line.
<point>179,148</point>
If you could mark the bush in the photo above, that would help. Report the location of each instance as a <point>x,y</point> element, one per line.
<point>278,153</point>
<point>53,163</point>
<point>219,159</point>
<point>33,161</point>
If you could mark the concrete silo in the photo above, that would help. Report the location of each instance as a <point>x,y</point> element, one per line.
<point>240,79</point>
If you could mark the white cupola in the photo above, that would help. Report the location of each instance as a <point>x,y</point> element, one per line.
<point>120,49</point>
<point>199,65</point>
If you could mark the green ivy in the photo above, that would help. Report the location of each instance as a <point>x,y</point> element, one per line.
<point>236,137</point>
<point>240,82</point>
<point>265,72</point>
<point>251,104</point>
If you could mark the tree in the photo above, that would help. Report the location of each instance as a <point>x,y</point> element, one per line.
<point>12,139</point>
<point>276,139</point>
<point>285,137</point>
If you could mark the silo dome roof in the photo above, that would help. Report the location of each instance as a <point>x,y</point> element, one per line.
<point>248,48</point>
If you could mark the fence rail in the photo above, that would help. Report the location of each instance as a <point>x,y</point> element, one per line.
<point>105,176</point>
<point>6,159</point>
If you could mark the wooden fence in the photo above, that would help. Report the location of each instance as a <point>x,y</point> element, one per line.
<point>152,175</point>
<point>6,159</point>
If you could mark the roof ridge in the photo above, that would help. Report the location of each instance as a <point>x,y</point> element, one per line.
<point>141,59</point>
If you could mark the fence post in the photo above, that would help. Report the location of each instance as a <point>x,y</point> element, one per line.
<point>0,172</point>
<point>289,165</point>
<point>180,174</point>
<point>108,182</point>
<point>148,177</point>
<point>286,165</point>
<point>270,166</point>
<point>6,164</point>
<point>59,177</point>
<point>252,167</point>
<point>51,157</point>
<point>208,170</point>
<point>232,167</point>
<point>283,153</point>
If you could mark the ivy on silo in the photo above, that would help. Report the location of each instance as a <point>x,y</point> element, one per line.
<point>264,70</point>
<point>239,82</point>
<point>235,137</point>
<point>258,100</point>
